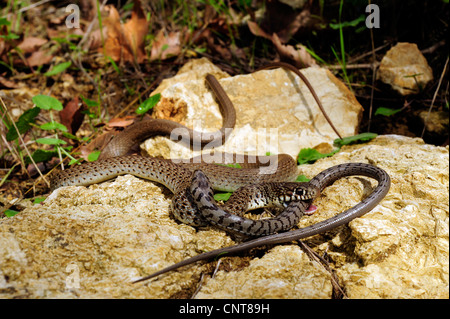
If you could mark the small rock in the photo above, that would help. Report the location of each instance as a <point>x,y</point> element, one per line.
<point>405,69</point>
<point>435,122</point>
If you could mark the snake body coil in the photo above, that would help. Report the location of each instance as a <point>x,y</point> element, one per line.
<point>193,202</point>
<point>321,181</point>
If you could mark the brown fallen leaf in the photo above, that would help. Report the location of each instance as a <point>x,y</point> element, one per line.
<point>71,116</point>
<point>125,42</point>
<point>114,36</point>
<point>120,122</point>
<point>8,83</point>
<point>257,30</point>
<point>302,20</point>
<point>135,31</point>
<point>38,58</point>
<point>31,44</point>
<point>97,143</point>
<point>166,46</point>
<point>297,55</point>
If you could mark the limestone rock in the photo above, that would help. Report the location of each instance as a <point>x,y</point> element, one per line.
<point>405,68</point>
<point>276,113</point>
<point>90,242</point>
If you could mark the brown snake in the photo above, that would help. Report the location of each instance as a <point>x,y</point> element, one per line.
<point>177,178</point>
<point>193,203</point>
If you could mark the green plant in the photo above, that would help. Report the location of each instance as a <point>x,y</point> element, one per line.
<point>309,155</point>
<point>148,104</point>
<point>342,60</point>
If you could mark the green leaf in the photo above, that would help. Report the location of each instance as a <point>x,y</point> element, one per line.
<point>89,103</point>
<point>302,179</point>
<point>46,102</point>
<point>345,24</point>
<point>58,68</point>
<point>41,156</point>
<point>10,212</point>
<point>44,155</point>
<point>23,123</point>
<point>310,155</point>
<point>38,200</point>
<point>92,157</point>
<point>233,165</point>
<point>386,111</point>
<point>50,141</point>
<point>71,136</point>
<point>114,65</point>
<point>10,36</point>
<point>4,21</point>
<point>53,126</point>
<point>75,161</point>
<point>363,137</point>
<point>222,196</point>
<point>148,104</point>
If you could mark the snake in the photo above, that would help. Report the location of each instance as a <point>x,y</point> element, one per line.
<point>320,181</point>
<point>262,180</point>
<point>176,175</point>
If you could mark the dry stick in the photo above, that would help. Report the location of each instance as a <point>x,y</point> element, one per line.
<point>354,66</point>
<point>362,56</point>
<point>34,5</point>
<point>434,97</point>
<point>325,265</point>
<point>374,73</point>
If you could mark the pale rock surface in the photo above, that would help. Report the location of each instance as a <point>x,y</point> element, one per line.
<point>405,68</point>
<point>91,242</point>
<point>276,113</point>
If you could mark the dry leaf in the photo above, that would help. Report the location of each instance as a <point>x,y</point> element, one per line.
<point>71,116</point>
<point>121,122</point>
<point>297,56</point>
<point>126,42</point>
<point>134,32</point>
<point>39,58</point>
<point>8,83</point>
<point>31,44</point>
<point>256,30</point>
<point>114,37</point>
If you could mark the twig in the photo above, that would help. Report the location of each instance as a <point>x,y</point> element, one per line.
<point>434,97</point>
<point>374,73</point>
<point>354,66</point>
<point>338,291</point>
<point>200,284</point>
<point>362,56</point>
<point>433,47</point>
<point>34,5</point>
